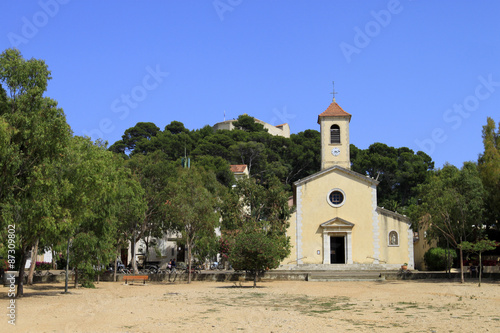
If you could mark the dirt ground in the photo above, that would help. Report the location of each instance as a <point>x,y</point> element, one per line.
<point>277,306</point>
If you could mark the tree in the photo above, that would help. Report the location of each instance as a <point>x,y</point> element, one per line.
<point>254,250</point>
<point>247,123</point>
<point>249,153</point>
<point>258,218</point>
<point>479,247</point>
<point>437,259</point>
<point>131,200</point>
<point>303,155</point>
<point>451,207</point>
<point>489,170</point>
<point>192,208</point>
<point>176,127</point>
<point>399,171</point>
<point>140,132</point>
<point>96,176</point>
<point>217,165</point>
<point>34,135</point>
<point>155,174</point>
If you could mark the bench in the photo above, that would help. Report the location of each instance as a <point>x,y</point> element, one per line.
<point>133,278</point>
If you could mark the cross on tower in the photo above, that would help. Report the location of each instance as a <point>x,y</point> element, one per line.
<point>333,92</point>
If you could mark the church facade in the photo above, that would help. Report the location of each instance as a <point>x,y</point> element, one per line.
<point>337,223</point>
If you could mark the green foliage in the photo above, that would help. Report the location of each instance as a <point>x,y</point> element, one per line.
<point>33,137</point>
<point>154,173</point>
<point>176,127</point>
<point>489,170</point>
<point>192,210</point>
<point>479,247</point>
<point>255,250</point>
<point>247,123</point>
<point>267,156</point>
<point>303,156</point>
<point>103,195</point>
<point>399,171</point>
<point>438,259</point>
<point>255,219</point>
<point>250,153</point>
<point>219,166</point>
<point>451,204</point>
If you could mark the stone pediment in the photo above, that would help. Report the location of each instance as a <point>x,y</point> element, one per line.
<point>340,170</point>
<point>337,222</point>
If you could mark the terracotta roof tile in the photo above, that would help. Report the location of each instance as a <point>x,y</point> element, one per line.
<point>334,110</point>
<point>238,168</point>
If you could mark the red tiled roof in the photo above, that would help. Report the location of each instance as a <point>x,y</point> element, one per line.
<point>334,110</point>
<point>281,125</point>
<point>238,168</point>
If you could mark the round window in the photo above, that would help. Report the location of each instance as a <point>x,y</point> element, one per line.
<point>336,197</point>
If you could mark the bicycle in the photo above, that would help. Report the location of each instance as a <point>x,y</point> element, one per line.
<point>404,273</point>
<point>40,273</point>
<point>71,271</point>
<point>217,266</point>
<point>195,269</point>
<point>153,269</point>
<point>125,271</point>
<point>173,271</point>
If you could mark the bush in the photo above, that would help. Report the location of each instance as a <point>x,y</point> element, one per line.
<point>61,262</point>
<point>43,265</point>
<point>435,259</point>
<point>86,276</point>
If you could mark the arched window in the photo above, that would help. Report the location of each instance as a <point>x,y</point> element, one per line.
<point>393,238</point>
<point>335,134</point>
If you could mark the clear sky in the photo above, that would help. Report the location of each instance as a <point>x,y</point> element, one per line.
<point>419,74</point>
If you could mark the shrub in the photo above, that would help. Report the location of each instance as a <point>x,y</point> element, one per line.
<point>436,259</point>
<point>61,262</point>
<point>43,265</point>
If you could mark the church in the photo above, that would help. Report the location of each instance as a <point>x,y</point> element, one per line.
<point>337,223</point>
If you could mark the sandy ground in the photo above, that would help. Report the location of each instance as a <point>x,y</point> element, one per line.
<point>277,306</point>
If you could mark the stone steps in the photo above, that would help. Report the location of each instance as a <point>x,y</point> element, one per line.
<point>345,276</point>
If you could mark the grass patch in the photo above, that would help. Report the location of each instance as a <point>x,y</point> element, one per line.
<point>304,304</point>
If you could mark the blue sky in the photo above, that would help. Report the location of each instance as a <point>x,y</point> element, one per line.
<point>419,74</point>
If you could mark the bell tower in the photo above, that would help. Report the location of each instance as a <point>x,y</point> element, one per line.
<point>334,125</point>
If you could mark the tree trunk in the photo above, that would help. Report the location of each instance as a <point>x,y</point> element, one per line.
<point>98,271</point>
<point>67,268</point>
<point>33,263</point>
<point>189,259</point>
<point>116,265</point>
<point>54,260</point>
<point>20,281</point>
<point>480,269</point>
<point>147,239</point>
<point>255,277</point>
<point>134,263</point>
<point>76,277</point>
<point>448,269</point>
<point>461,266</point>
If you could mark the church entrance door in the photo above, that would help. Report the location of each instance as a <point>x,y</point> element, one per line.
<point>337,249</point>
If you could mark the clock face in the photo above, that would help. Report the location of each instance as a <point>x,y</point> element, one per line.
<point>335,151</point>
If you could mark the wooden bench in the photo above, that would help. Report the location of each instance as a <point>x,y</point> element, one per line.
<point>133,278</point>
